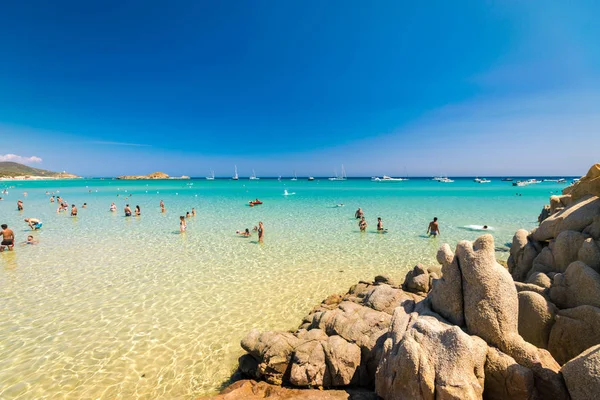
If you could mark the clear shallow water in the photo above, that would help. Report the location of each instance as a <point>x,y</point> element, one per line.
<point>113,307</point>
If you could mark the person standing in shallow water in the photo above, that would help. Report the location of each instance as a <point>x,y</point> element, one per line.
<point>19,205</point>
<point>127,211</point>
<point>363,224</point>
<point>434,228</point>
<point>261,232</point>
<point>182,224</point>
<point>138,211</point>
<point>359,213</point>
<point>8,238</point>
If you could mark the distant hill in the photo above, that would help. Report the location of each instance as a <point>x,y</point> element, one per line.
<point>13,169</point>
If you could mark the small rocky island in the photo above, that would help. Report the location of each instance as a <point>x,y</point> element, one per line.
<point>154,175</point>
<point>467,329</point>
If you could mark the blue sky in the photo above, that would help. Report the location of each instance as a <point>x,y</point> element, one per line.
<point>103,88</point>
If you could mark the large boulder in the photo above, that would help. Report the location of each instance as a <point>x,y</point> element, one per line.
<point>589,254</point>
<point>273,351</point>
<point>540,279</point>
<point>491,310</point>
<point>522,254</point>
<point>386,298</point>
<point>589,184</point>
<point>579,285</point>
<point>582,375</point>
<point>426,358</point>
<point>446,295</point>
<point>574,218</point>
<point>575,330</point>
<point>566,248</point>
<point>417,280</point>
<point>536,317</point>
<point>506,379</point>
<point>360,325</point>
<point>593,229</point>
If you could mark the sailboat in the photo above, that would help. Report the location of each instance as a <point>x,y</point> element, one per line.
<point>295,178</point>
<point>339,178</point>
<point>235,177</point>
<point>254,177</point>
<point>212,176</point>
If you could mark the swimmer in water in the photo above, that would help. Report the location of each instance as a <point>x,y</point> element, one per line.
<point>19,205</point>
<point>138,211</point>
<point>30,240</point>
<point>84,205</point>
<point>193,212</point>
<point>380,225</point>
<point>182,224</point>
<point>187,214</point>
<point>113,207</point>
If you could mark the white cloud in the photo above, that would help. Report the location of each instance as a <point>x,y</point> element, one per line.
<point>20,159</point>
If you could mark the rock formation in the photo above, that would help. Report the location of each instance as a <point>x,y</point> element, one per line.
<point>154,175</point>
<point>470,330</point>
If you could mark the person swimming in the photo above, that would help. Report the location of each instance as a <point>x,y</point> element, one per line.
<point>30,240</point>
<point>187,214</point>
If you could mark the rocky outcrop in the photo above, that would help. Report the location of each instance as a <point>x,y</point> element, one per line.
<point>582,374</point>
<point>522,254</point>
<point>589,184</point>
<point>339,343</point>
<point>446,297</point>
<point>506,379</point>
<point>576,217</point>
<point>154,175</point>
<point>417,280</point>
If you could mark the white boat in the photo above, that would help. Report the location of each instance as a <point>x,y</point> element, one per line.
<point>235,176</point>
<point>386,178</point>
<point>310,178</point>
<point>340,178</point>
<point>436,178</point>
<point>212,176</point>
<point>477,180</point>
<point>483,180</point>
<point>254,177</point>
<point>295,178</point>
<point>445,180</point>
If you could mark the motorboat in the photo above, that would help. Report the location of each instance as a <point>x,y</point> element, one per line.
<point>386,178</point>
<point>506,179</point>
<point>310,178</point>
<point>445,180</point>
<point>483,180</point>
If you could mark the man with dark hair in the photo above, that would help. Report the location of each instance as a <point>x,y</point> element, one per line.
<point>433,229</point>
<point>127,211</point>
<point>8,238</point>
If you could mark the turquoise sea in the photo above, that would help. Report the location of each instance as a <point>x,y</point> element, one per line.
<point>123,308</point>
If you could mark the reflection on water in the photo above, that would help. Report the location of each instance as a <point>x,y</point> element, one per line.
<point>113,307</point>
